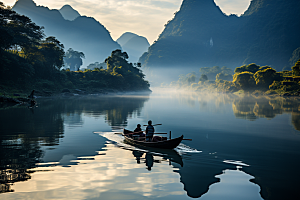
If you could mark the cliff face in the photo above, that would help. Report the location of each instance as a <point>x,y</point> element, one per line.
<point>83,34</point>
<point>200,35</point>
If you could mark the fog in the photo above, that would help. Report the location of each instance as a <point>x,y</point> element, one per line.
<point>158,75</point>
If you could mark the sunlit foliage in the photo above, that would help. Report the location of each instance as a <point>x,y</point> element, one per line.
<point>225,77</point>
<point>244,80</point>
<point>296,68</point>
<point>203,77</point>
<point>248,78</point>
<point>248,68</point>
<point>265,77</point>
<point>185,80</point>
<point>29,61</point>
<point>212,72</point>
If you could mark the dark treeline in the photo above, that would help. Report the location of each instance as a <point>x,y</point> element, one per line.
<point>29,60</point>
<point>247,78</point>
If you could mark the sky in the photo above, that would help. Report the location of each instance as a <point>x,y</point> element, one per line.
<point>143,17</point>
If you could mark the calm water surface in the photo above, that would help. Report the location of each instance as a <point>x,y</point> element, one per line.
<point>67,148</point>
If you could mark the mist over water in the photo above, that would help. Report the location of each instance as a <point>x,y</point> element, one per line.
<point>67,148</point>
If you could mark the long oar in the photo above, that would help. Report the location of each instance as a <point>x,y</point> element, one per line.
<point>153,125</point>
<point>119,133</point>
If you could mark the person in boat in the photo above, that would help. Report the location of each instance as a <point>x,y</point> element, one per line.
<point>149,131</point>
<point>138,131</point>
<point>32,103</point>
<point>31,96</point>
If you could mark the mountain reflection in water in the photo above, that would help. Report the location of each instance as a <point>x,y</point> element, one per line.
<point>52,149</point>
<point>25,131</point>
<point>233,185</point>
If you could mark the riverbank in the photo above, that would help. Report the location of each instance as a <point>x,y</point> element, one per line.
<point>21,97</point>
<point>251,79</point>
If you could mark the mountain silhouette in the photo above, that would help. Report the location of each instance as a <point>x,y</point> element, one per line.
<point>83,34</point>
<point>134,45</point>
<point>69,13</point>
<point>201,35</point>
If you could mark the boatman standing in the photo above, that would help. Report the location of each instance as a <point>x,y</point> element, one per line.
<point>149,131</point>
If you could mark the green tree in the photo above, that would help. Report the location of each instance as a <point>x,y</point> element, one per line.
<point>17,30</point>
<point>204,70</point>
<point>264,78</point>
<point>73,59</point>
<point>119,59</point>
<point>203,77</point>
<point>215,69</point>
<point>124,73</point>
<point>186,79</point>
<point>53,52</point>
<point>96,65</point>
<point>226,70</point>
<point>296,68</point>
<point>191,78</point>
<point>225,77</point>
<point>244,80</point>
<point>247,68</point>
<point>210,72</point>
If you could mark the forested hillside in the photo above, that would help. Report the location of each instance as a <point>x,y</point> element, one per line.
<point>31,61</point>
<point>200,35</point>
<point>83,34</point>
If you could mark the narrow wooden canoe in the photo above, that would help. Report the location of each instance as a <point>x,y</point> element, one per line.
<point>165,144</point>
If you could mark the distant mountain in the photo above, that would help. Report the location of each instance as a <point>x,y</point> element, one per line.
<point>69,13</point>
<point>125,37</point>
<point>134,45</point>
<point>83,34</point>
<point>201,35</point>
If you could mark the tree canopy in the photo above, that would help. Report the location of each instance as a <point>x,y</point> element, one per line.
<point>211,72</point>
<point>29,60</point>
<point>296,68</point>
<point>225,77</point>
<point>244,80</point>
<point>264,78</point>
<point>249,68</point>
<point>17,30</point>
<point>74,59</point>
<point>117,63</point>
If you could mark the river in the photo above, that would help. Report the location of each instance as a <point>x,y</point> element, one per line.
<point>243,147</point>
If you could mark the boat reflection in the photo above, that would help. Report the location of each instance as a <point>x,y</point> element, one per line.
<point>169,155</point>
<point>149,160</point>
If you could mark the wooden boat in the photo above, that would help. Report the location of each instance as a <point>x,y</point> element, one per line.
<point>165,144</point>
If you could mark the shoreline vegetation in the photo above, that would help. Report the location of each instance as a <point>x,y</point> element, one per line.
<point>247,79</point>
<point>31,61</point>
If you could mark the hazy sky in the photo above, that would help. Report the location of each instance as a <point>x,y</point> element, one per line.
<point>143,17</point>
